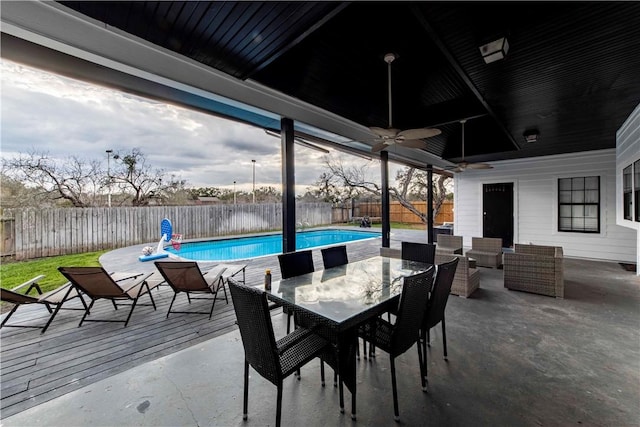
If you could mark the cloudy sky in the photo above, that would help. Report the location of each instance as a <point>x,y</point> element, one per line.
<point>62,117</point>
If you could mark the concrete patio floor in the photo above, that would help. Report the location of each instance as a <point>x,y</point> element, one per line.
<point>515,359</point>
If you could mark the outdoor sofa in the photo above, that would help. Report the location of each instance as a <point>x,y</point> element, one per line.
<point>535,268</point>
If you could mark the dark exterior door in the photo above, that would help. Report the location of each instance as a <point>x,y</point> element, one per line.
<point>497,212</point>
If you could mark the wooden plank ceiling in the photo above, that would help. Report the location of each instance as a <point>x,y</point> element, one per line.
<point>571,72</point>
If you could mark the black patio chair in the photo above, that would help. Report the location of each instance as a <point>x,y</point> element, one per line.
<point>435,312</point>
<point>334,256</point>
<point>412,251</point>
<point>421,252</point>
<point>273,360</point>
<point>398,337</point>
<point>294,264</point>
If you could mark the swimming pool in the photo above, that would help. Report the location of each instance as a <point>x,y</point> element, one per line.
<point>271,244</point>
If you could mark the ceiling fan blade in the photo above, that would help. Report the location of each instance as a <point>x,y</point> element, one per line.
<point>479,166</point>
<point>413,143</point>
<point>419,133</point>
<point>379,147</point>
<point>385,133</point>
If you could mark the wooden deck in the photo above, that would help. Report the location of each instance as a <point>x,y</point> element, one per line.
<point>38,367</point>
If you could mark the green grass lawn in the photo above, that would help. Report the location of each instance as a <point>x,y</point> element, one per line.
<point>13,274</point>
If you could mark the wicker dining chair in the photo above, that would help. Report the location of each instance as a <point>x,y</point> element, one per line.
<point>334,256</point>
<point>273,360</point>
<point>435,312</point>
<point>420,252</point>
<point>398,337</point>
<point>294,264</point>
<point>412,251</point>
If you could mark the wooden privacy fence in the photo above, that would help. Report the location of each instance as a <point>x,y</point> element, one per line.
<point>36,233</point>
<point>399,213</point>
<point>340,214</point>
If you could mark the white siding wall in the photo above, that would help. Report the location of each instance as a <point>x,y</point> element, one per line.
<point>627,152</point>
<point>535,204</point>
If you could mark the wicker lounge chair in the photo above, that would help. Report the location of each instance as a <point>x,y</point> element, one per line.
<point>273,360</point>
<point>185,276</point>
<point>487,251</point>
<point>466,279</point>
<point>56,297</point>
<point>97,284</point>
<point>398,337</point>
<point>535,268</point>
<point>447,244</point>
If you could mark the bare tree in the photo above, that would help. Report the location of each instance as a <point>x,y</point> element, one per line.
<point>268,194</point>
<point>14,194</point>
<point>329,188</point>
<point>413,184</point>
<point>74,180</point>
<point>210,192</point>
<point>134,176</point>
<point>174,192</point>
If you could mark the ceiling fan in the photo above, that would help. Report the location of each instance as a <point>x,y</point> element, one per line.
<point>463,165</point>
<point>411,138</point>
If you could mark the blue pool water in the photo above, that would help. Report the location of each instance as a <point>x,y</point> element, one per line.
<point>257,246</point>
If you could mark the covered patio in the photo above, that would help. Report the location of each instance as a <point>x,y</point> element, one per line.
<point>514,359</point>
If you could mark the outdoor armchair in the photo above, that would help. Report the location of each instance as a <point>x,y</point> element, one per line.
<point>185,276</point>
<point>487,251</point>
<point>96,283</point>
<point>56,297</point>
<point>466,279</point>
<point>448,244</point>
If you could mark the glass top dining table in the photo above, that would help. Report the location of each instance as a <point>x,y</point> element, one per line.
<point>344,297</point>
